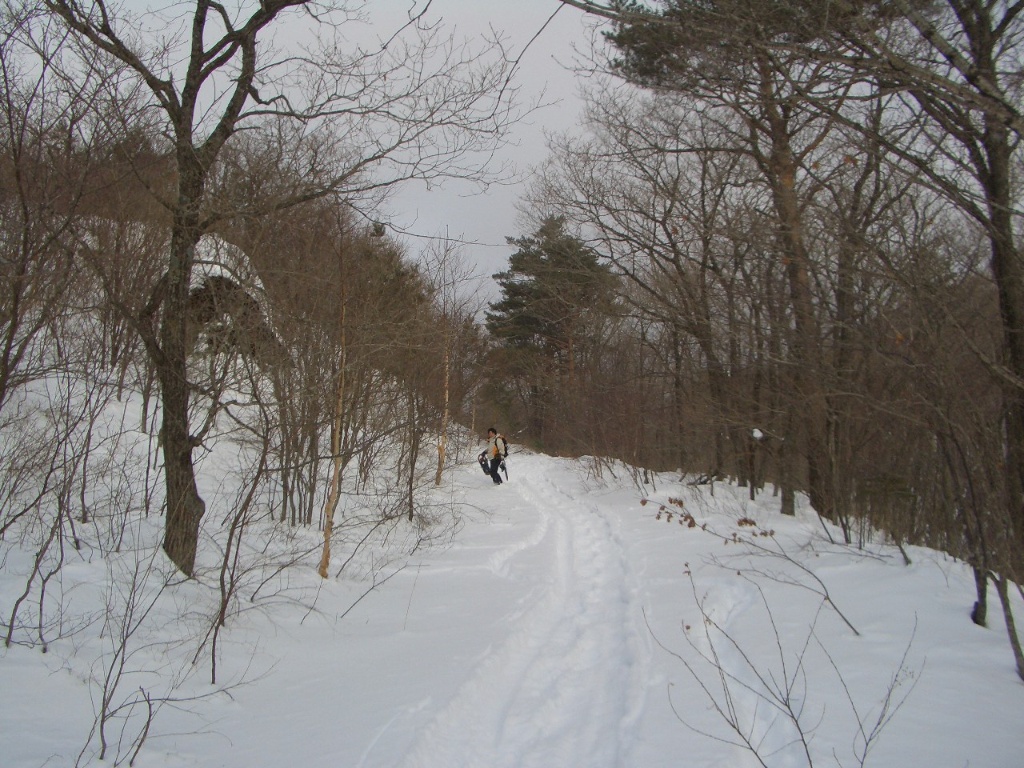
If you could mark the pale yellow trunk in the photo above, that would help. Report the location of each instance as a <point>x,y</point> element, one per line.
<point>442,442</point>
<point>335,492</point>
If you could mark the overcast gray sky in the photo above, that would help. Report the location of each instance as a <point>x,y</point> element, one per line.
<point>482,220</point>
<point>485,219</point>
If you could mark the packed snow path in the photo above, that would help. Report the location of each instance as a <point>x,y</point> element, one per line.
<point>558,627</point>
<point>558,690</point>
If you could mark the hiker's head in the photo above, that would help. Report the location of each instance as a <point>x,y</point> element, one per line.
<point>492,432</point>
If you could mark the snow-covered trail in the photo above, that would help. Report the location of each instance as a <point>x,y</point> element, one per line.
<point>565,686</point>
<point>560,626</point>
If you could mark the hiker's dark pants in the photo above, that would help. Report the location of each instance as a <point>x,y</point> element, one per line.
<point>494,469</point>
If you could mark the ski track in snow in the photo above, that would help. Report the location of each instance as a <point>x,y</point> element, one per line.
<point>564,687</point>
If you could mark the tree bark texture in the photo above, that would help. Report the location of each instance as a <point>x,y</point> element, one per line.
<point>809,391</point>
<point>185,508</point>
<point>1009,275</point>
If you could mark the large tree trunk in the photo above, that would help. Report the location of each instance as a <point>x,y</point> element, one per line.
<point>808,387</point>
<point>185,508</point>
<point>1009,276</point>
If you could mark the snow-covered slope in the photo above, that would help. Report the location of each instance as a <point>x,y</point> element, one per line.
<point>576,620</point>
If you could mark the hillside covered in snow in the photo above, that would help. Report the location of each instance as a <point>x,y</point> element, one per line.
<point>573,616</point>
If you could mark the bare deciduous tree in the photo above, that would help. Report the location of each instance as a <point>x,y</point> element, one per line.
<point>416,106</point>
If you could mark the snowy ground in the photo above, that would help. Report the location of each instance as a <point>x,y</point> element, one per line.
<point>569,624</point>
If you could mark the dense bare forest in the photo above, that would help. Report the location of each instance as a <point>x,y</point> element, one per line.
<point>811,210</point>
<point>781,250</point>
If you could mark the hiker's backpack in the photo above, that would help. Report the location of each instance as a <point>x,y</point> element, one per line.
<point>504,446</point>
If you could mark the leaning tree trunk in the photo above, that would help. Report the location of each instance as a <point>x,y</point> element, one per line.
<point>1002,589</point>
<point>1009,276</point>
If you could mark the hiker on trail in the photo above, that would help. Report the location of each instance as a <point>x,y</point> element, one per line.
<point>493,455</point>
